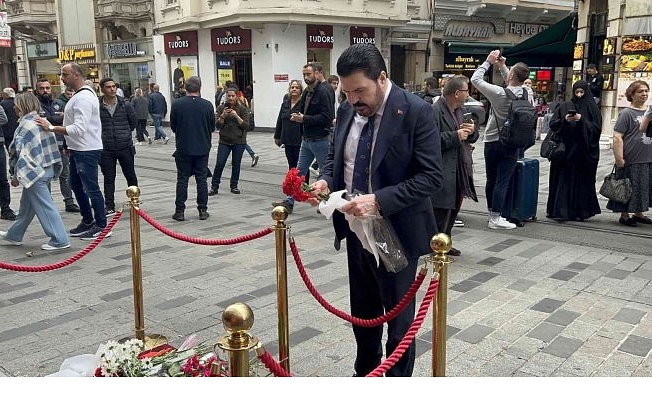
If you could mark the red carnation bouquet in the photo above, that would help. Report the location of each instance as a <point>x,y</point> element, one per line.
<point>295,185</point>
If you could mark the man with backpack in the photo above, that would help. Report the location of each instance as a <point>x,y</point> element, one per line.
<point>506,132</point>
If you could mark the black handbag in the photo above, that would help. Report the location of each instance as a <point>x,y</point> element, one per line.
<point>553,148</point>
<point>613,188</point>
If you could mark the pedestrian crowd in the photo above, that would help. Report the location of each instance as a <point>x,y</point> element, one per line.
<point>399,159</point>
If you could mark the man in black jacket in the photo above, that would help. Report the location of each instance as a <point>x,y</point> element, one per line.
<point>318,111</point>
<point>118,119</point>
<point>5,193</point>
<point>158,107</point>
<point>53,110</point>
<point>192,120</point>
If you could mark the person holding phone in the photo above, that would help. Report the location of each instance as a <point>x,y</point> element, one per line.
<point>457,132</point>
<point>578,124</point>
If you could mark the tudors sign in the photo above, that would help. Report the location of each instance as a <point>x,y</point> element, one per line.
<point>180,43</point>
<point>319,36</point>
<point>469,29</point>
<point>364,35</point>
<point>230,38</point>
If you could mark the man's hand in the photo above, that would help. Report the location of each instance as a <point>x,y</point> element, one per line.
<point>492,58</point>
<point>463,133</point>
<point>317,188</point>
<point>361,206</point>
<point>42,122</point>
<point>296,117</point>
<point>501,61</point>
<point>277,142</point>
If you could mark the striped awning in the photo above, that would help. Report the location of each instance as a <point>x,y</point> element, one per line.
<point>79,53</point>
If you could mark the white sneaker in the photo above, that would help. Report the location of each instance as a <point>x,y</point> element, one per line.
<point>3,237</point>
<point>49,247</point>
<point>458,223</point>
<point>500,223</point>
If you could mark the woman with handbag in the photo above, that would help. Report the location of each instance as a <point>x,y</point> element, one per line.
<point>633,154</point>
<point>577,125</point>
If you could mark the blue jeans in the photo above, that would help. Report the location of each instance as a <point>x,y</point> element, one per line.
<point>37,201</point>
<point>223,151</point>
<point>500,162</point>
<point>84,183</point>
<point>159,133</point>
<point>250,150</point>
<point>311,149</point>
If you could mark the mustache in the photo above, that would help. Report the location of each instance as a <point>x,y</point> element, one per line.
<point>359,104</point>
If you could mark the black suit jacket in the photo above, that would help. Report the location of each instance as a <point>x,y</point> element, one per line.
<point>405,168</point>
<point>318,118</point>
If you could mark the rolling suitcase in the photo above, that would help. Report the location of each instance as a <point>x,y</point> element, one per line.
<point>523,192</point>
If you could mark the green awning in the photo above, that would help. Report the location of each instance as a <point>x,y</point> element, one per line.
<point>550,48</point>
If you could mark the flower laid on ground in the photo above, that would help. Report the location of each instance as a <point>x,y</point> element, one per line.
<point>121,359</point>
<point>295,185</point>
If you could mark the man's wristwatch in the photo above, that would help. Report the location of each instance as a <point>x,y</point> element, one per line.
<point>51,128</point>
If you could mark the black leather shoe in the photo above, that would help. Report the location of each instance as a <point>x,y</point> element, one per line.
<point>178,216</point>
<point>203,214</point>
<point>642,220</point>
<point>212,192</point>
<point>8,214</point>
<point>235,190</point>
<point>629,221</point>
<point>454,252</point>
<point>72,208</point>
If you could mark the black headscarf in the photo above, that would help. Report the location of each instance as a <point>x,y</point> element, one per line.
<point>591,117</point>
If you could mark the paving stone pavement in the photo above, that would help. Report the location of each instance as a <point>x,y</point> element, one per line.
<point>547,299</point>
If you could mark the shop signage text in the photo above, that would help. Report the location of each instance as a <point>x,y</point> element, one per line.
<point>180,43</point>
<point>469,29</point>
<point>362,35</point>
<point>5,30</point>
<point>281,77</point>
<point>76,54</point>
<point>319,36</point>
<point>129,49</point>
<point>462,62</point>
<point>520,29</point>
<point>230,38</point>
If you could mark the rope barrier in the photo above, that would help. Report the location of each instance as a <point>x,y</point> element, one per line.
<point>68,261</point>
<point>409,295</point>
<point>205,242</point>
<point>270,363</point>
<point>411,333</point>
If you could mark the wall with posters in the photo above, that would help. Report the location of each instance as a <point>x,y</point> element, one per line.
<point>635,64</point>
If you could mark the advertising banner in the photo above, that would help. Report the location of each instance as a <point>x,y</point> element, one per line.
<point>5,30</point>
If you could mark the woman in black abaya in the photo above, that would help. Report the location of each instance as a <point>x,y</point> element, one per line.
<point>572,193</point>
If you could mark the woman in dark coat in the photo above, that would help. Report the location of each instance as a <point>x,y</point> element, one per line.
<point>288,133</point>
<point>578,123</point>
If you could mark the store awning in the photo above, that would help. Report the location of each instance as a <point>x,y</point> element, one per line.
<point>550,48</point>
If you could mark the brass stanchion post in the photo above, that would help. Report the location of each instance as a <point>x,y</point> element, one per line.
<point>133,192</point>
<point>238,319</point>
<point>279,215</point>
<point>440,245</point>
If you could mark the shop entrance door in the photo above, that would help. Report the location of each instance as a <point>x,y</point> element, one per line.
<point>243,71</point>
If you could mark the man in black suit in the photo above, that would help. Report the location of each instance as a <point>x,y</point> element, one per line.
<point>401,173</point>
<point>456,136</point>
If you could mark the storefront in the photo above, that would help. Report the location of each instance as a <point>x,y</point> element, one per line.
<point>44,63</point>
<point>181,49</point>
<point>232,48</point>
<point>129,63</point>
<point>319,43</point>
<point>84,55</point>
<point>635,64</point>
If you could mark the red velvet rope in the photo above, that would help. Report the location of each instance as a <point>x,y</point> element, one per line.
<point>68,261</point>
<point>205,242</point>
<point>411,333</point>
<point>409,295</point>
<point>272,365</point>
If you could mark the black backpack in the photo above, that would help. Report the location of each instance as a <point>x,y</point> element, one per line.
<point>519,129</point>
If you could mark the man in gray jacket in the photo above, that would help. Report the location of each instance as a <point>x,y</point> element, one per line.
<point>500,160</point>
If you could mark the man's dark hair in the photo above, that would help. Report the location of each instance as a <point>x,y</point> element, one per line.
<point>521,72</point>
<point>591,66</point>
<point>430,82</point>
<point>104,81</point>
<point>333,78</point>
<point>317,66</point>
<point>454,84</point>
<point>42,80</point>
<point>363,58</point>
<point>193,84</point>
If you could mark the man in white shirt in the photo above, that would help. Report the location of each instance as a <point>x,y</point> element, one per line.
<point>83,131</point>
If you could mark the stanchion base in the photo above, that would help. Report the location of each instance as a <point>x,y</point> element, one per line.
<point>151,341</point>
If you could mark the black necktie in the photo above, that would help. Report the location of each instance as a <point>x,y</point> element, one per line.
<point>363,158</point>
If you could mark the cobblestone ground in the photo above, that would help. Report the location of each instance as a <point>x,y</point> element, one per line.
<point>547,299</point>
